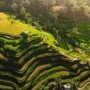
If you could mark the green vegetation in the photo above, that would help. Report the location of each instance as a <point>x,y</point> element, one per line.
<point>44,44</point>
<point>7,27</point>
<point>33,60</point>
<point>60,18</point>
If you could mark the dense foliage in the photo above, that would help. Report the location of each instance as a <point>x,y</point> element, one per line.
<point>67,20</point>
<point>34,59</point>
<point>37,63</point>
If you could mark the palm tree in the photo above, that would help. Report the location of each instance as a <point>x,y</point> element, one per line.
<point>74,84</point>
<point>58,83</point>
<point>42,87</point>
<point>88,64</point>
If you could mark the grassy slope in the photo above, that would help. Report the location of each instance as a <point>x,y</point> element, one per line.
<point>16,28</point>
<point>7,27</point>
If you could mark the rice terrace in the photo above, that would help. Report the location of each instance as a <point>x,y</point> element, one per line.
<point>44,45</point>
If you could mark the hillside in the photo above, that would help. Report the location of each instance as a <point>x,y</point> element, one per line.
<point>31,60</point>
<point>26,64</point>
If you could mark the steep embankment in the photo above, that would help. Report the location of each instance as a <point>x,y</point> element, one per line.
<point>27,62</point>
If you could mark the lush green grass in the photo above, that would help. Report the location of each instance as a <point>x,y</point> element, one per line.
<point>7,27</point>
<point>82,56</point>
<point>13,28</point>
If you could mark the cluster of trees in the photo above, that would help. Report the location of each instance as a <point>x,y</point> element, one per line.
<point>58,17</point>
<point>69,8</point>
<point>58,84</point>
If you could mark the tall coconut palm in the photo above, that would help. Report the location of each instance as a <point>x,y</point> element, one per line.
<point>58,83</point>
<point>74,84</point>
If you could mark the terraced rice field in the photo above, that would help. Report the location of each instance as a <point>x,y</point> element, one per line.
<point>27,64</point>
